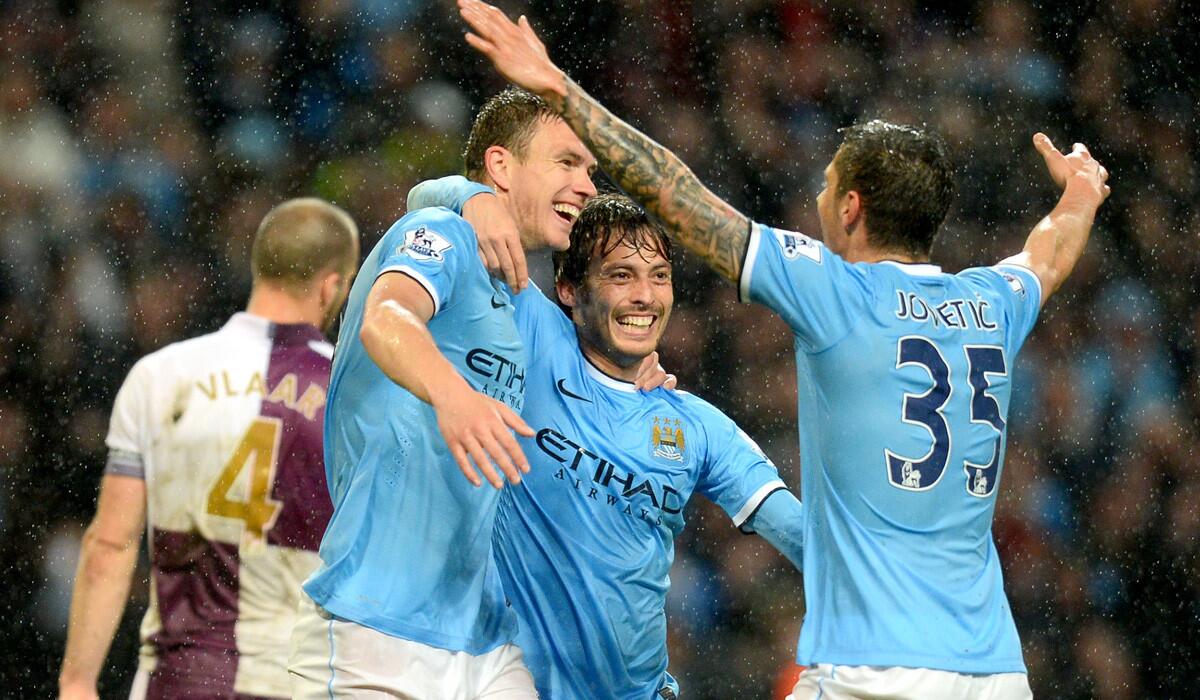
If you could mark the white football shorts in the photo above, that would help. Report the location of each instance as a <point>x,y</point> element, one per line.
<point>336,658</point>
<point>829,682</point>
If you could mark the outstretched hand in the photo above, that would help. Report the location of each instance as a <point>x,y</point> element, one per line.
<point>478,426</point>
<point>1078,163</point>
<point>516,51</point>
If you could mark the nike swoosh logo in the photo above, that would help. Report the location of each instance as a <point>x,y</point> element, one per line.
<point>567,392</point>
<point>498,304</point>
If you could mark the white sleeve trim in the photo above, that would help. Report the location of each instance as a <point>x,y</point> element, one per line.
<point>420,279</point>
<point>756,500</point>
<point>125,463</point>
<point>1037,281</point>
<point>748,264</point>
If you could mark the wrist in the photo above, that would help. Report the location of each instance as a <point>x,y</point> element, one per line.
<point>1081,192</point>
<point>476,199</point>
<point>443,386</point>
<point>71,682</point>
<point>556,94</point>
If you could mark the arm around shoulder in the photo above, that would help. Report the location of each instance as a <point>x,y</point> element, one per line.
<point>780,521</point>
<point>396,338</point>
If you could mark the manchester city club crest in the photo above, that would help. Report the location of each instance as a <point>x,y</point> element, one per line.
<point>667,439</point>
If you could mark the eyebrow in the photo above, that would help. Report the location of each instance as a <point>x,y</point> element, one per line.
<point>579,157</point>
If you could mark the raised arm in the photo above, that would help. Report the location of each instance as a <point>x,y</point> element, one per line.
<point>106,563</point>
<point>701,221</point>
<point>1059,239</point>
<point>396,338</point>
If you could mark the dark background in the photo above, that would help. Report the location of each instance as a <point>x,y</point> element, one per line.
<point>142,140</point>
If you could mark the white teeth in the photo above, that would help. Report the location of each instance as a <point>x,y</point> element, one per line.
<point>571,211</point>
<point>636,321</point>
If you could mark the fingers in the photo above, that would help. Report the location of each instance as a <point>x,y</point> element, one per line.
<point>520,270</point>
<point>512,420</point>
<point>644,369</point>
<point>530,35</point>
<point>488,446</point>
<point>1046,148</point>
<point>502,256</point>
<point>483,18</point>
<point>482,462</point>
<point>1043,144</point>
<point>490,260</point>
<point>460,456</point>
<point>501,456</point>
<point>481,45</point>
<point>651,375</point>
<point>511,454</point>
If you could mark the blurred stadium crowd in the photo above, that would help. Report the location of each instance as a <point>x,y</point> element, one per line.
<point>142,140</point>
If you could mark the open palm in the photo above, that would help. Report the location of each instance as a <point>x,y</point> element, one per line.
<point>516,51</point>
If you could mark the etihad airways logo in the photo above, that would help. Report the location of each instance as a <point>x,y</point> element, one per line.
<point>500,377</point>
<point>600,480</point>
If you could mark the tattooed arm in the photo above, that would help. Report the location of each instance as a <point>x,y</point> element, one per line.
<point>651,174</point>
<point>700,220</point>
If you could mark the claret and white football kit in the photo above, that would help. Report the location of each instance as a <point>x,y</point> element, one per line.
<point>226,431</point>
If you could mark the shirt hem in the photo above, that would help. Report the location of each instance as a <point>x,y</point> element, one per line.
<point>352,613</point>
<point>991,666</point>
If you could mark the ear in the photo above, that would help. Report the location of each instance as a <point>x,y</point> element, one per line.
<point>330,290</point>
<point>852,212</point>
<point>497,162</point>
<point>566,293</point>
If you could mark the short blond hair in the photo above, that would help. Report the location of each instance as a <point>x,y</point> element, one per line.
<point>301,239</point>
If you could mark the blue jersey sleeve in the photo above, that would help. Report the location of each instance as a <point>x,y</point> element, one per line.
<point>737,475</point>
<point>451,192</point>
<point>434,247</point>
<point>817,293</point>
<point>780,521</point>
<point>539,320</point>
<point>1016,291</point>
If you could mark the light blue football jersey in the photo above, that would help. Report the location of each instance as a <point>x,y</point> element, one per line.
<point>904,376</point>
<point>585,543</point>
<point>408,551</point>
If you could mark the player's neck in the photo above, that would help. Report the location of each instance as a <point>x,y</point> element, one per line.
<point>858,249</point>
<point>867,254</point>
<point>881,256</point>
<point>278,306</point>
<point>607,366</point>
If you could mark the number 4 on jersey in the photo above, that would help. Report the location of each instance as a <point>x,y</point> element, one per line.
<point>258,450</point>
<point>923,473</point>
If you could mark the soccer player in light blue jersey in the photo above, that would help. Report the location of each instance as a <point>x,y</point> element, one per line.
<point>427,381</point>
<point>905,377</point>
<point>585,544</point>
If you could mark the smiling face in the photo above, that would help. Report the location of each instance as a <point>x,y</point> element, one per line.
<point>622,307</point>
<point>549,184</point>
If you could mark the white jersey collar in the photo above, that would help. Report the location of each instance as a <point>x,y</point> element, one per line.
<point>245,321</point>
<point>915,269</point>
<point>610,382</point>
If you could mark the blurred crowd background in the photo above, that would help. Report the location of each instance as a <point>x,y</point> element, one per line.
<point>141,141</point>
